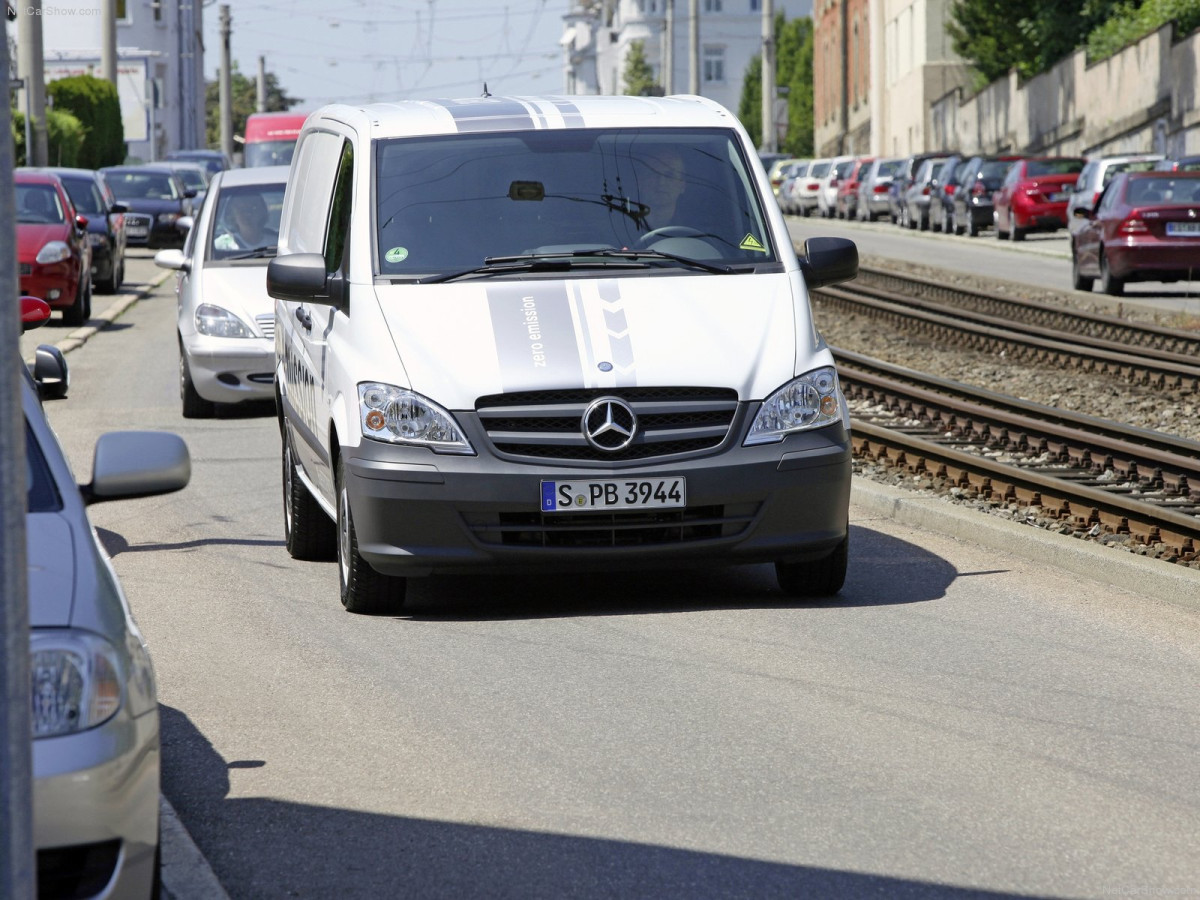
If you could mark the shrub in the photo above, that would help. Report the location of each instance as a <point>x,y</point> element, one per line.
<point>65,137</point>
<point>1131,23</point>
<point>94,102</point>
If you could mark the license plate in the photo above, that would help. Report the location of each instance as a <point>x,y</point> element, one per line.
<point>582,495</point>
<point>1060,197</point>
<point>136,230</point>
<point>1174,228</point>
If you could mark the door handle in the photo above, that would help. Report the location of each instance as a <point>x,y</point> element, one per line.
<point>304,318</point>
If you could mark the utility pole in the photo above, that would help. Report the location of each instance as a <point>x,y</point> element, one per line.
<point>694,46</point>
<point>30,68</point>
<point>108,41</point>
<point>226,87</point>
<point>18,875</point>
<point>769,141</point>
<point>669,48</point>
<point>260,104</point>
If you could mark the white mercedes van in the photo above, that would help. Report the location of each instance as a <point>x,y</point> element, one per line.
<point>561,333</point>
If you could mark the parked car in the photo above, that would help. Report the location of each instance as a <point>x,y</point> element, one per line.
<point>793,176</point>
<point>54,255</point>
<point>93,199</point>
<point>540,436</point>
<point>873,190</point>
<point>1181,164</point>
<point>214,161</point>
<point>827,195</point>
<point>808,190</point>
<point>194,177</point>
<point>901,182</point>
<point>847,190</point>
<point>96,746</point>
<point>156,198</point>
<point>981,177</point>
<point>776,173</point>
<point>1094,178</point>
<point>1034,195</point>
<point>1146,227</point>
<point>915,211</point>
<point>941,194</point>
<point>225,322</point>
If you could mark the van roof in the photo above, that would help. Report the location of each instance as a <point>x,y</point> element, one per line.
<point>476,114</point>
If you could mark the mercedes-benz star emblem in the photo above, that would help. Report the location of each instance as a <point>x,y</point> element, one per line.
<point>609,424</point>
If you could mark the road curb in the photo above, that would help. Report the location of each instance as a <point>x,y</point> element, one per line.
<point>186,874</point>
<point>1119,568</point>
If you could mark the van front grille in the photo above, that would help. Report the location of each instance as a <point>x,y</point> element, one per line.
<point>616,529</point>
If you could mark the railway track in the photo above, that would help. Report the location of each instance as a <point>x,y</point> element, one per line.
<point>1164,358</point>
<point>1089,475</point>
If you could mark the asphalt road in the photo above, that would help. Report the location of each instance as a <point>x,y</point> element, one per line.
<point>963,722</point>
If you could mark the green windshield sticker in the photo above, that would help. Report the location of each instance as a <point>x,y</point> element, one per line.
<point>396,254</point>
<point>750,242</point>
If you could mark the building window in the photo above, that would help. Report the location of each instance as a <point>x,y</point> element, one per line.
<point>754,5</point>
<point>714,65</point>
<point>712,5</point>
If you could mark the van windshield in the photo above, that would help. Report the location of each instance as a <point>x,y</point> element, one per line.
<point>448,202</point>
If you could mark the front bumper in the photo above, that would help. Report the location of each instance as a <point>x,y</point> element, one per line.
<point>95,807</point>
<point>42,281</point>
<point>418,513</point>
<point>230,370</point>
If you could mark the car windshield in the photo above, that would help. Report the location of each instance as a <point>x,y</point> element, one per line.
<point>85,195</point>
<point>1137,166</point>
<point>889,168</point>
<point>269,153</point>
<point>142,186</point>
<point>819,170</point>
<point>39,204</point>
<point>1054,167</point>
<point>192,177</point>
<point>449,202</point>
<point>246,222</point>
<point>1163,191</point>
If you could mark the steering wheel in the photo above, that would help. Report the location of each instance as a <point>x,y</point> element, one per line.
<point>668,231</point>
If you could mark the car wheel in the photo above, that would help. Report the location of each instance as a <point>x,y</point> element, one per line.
<point>76,314</point>
<point>194,406</point>
<point>1018,234</point>
<point>1081,282</point>
<point>816,578</point>
<point>923,222</point>
<point>972,228</point>
<point>308,533</point>
<point>363,589</point>
<point>1109,283</point>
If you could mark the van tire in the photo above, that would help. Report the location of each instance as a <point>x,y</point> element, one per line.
<point>815,578</point>
<point>363,590</point>
<point>308,532</point>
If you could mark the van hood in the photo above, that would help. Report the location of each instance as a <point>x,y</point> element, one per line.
<point>461,341</point>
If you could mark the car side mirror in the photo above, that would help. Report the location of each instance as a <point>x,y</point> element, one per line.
<point>137,464</point>
<point>190,193</point>
<point>172,259</point>
<point>829,261</point>
<point>118,208</point>
<point>50,372</point>
<point>81,223</point>
<point>297,277</point>
<point>35,312</point>
<point>1082,212</point>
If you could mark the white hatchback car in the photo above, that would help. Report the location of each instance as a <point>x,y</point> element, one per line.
<point>226,321</point>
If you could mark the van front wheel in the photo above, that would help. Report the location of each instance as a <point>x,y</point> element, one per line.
<point>816,578</point>
<point>363,589</point>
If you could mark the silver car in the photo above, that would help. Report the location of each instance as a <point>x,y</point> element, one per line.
<point>93,699</point>
<point>1094,178</point>
<point>225,320</point>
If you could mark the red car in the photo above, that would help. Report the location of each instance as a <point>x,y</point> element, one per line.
<point>53,252</point>
<point>847,189</point>
<point>1145,227</point>
<point>1034,195</point>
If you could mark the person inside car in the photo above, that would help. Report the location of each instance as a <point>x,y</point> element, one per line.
<point>245,224</point>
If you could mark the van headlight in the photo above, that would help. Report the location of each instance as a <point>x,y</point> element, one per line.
<point>75,684</point>
<point>401,416</point>
<point>810,401</point>
<point>217,322</point>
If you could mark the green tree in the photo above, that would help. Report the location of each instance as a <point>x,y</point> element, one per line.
<point>794,78</point>
<point>65,136</point>
<point>94,103</point>
<point>244,97</point>
<point>1131,22</point>
<point>1030,36</point>
<point>638,76</point>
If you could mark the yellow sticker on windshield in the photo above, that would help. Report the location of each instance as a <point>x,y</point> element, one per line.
<point>750,242</point>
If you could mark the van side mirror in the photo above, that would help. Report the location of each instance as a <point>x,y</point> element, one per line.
<point>828,261</point>
<point>297,277</point>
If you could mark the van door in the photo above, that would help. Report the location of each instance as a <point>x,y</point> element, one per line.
<point>317,223</point>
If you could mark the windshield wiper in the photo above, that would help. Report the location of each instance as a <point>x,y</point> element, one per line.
<point>529,262</point>
<point>256,253</point>
<point>612,253</point>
